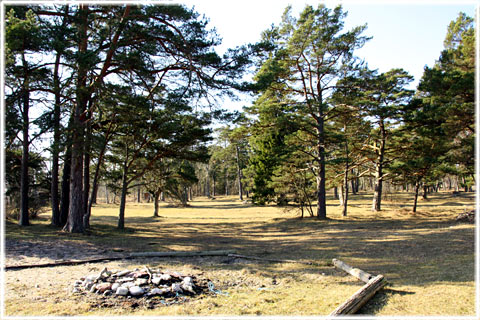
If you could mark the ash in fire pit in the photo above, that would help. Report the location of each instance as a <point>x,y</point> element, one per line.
<point>141,283</point>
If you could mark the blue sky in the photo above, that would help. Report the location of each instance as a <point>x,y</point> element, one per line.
<point>406,34</point>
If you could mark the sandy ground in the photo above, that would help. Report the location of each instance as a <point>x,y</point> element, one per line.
<point>22,252</point>
<point>53,286</point>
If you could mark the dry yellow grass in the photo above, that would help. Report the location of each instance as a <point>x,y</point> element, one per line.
<point>427,258</point>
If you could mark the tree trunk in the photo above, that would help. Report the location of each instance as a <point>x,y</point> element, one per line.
<point>94,196</point>
<point>55,199</point>
<point>226,184</point>
<point>345,177</point>
<point>425,192</point>
<point>320,179</point>
<point>86,173</point>
<point>335,193</point>
<point>156,196</point>
<point>239,175</point>
<point>377,195</point>
<point>23,219</point>
<point>106,193</point>
<point>354,182</point>
<point>76,208</point>
<point>139,196</point>
<point>214,186</point>
<point>207,184</point>
<point>345,195</point>
<point>417,187</point>
<point>185,196</point>
<point>465,187</point>
<point>123,197</point>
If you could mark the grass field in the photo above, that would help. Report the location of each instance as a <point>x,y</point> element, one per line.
<point>427,258</point>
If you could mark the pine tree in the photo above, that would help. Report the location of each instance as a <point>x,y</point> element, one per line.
<point>450,87</point>
<point>24,38</point>
<point>310,55</point>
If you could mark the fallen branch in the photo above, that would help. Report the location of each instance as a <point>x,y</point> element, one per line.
<point>181,253</point>
<point>62,263</point>
<point>357,273</point>
<point>360,297</point>
<point>150,275</point>
<point>133,255</point>
<point>271,260</point>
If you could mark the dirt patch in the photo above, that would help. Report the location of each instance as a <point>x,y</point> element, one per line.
<point>22,252</point>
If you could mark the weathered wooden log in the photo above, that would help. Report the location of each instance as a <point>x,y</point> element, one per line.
<point>62,263</point>
<point>181,253</point>
<point>125,257</point>
<point>355,302</point>
<point>357,273</point>
<point>233,255</point>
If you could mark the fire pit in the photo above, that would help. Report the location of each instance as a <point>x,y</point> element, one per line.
<point>143,283</point>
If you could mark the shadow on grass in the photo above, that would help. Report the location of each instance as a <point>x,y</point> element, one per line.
<point>380,300</point>
<point>406,251</point>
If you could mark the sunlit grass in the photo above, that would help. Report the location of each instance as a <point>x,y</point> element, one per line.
<point>426,257</point>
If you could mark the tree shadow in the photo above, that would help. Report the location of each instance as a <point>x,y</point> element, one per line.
<point>380,300</point>
<point>385,246</point>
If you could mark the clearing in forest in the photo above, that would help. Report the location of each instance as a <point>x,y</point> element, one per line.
<point>427,258</point>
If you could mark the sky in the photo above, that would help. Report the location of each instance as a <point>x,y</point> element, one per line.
<point>406,34</point>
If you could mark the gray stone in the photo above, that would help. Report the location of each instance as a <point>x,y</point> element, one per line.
<point>104,286</point>
<point>188,281</point>
<point>87,282</point>
<point>136,291</point>
<point>157,291</point>
<point>128,284</point>
<point>165,277</point>
<point>141,281</point>
<point>89,285</point>
<point>129,279</point>
<point>176,287</point>
<point>156,281</point>
<point>187,284</point>
<point>121,291</point>
<point>122,273</point>
<point>91,277</point>
<point>115,286</point>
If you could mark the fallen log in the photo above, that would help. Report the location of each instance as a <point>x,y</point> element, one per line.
<point>62,263</point>
<point>355,302</point>
<point>181,253</point>
<point>233,255</point>
<point>357,273</point>
<point>132,255</point>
